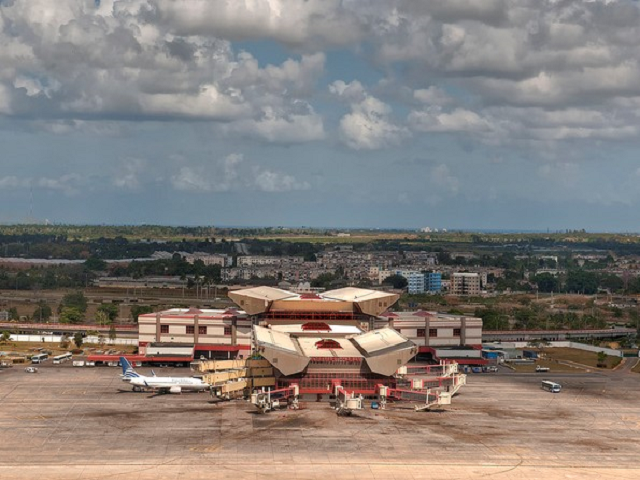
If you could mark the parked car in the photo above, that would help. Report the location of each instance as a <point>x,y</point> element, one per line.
<point>491,369</point>
<point>540,369</point>
<point>31,369</point>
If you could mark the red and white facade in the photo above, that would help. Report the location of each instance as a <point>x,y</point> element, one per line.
<point>431,329</point>
<point>346,312</point>
<point>213,333</point>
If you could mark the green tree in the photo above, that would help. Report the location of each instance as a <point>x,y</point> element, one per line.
<point>396,281</point>
<point>323,280</point>
<point>137,310</point>
<point>546,282</point>
<point>602,359</point>
<point>42,313</point>
<point>78,339</point>
<point>71,315</point>
<point>110,310</point>
<point>581,281</point>
<point>612,282</point>
<point>492,319</point>
<point>75,300</point>
<point>13,314</point>
<point>95,264</point>
<point>102,318</point>
<point>6,336</point>
<point>112,334</point>
<point>525,318</point>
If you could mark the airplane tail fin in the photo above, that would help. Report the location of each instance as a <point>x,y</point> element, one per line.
<point>127,369</point>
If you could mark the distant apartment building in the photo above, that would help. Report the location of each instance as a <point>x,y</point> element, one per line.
<point>465,284</point>
<point>209,259</point>
<point>433,282</point>
<point>463,256</point>
<point>423,258</point>
<point>415,279</point>
<point>262,260</point>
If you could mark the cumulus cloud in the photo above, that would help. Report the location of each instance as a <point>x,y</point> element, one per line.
<point>286,128</point>
<point>232,173</point>
<point>566,174</point>
<point>432,96</point>
<point>75,61</point>
<point>69,184</point>
<point>293,22</point>
<point>458,120</point>
<point>129,173</point>
<point>220,176</point>
<point>497,71</point>
<point>442,178</point>
<point>370,125</point>
<point>268,181</point>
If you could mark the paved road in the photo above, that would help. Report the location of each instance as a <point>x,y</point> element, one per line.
<point>625,367</point>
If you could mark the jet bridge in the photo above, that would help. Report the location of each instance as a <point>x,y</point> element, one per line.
<point>445,377</point>
<point>268,400</point>
<point>424,400</point>
<point>346,402</point>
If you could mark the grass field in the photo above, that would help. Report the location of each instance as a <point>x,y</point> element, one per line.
<point>579,356</point>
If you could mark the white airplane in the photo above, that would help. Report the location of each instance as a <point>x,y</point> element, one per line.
<point>159,384</point>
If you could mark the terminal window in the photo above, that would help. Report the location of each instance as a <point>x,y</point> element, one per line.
<point>164,328</point>
<point>202,330</point>
<point>456,332</point>
<point>190,329</point>
<point>421,332</point>
<point>227,330</point>
<point>433,332</point>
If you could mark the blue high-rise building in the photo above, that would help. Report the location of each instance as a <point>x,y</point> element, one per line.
<point>433,282</point>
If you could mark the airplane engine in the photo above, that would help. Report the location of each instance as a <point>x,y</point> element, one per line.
<point>175,389</point>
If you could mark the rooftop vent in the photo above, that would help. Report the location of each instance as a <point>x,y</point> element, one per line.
<point>316,326</point>
<point>328,344</point>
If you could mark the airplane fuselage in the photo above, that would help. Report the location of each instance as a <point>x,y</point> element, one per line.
<point>185,383</point>
<point>162,384</point>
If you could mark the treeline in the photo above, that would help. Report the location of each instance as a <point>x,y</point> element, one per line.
<point>535,318</point>
<point>60,247</point>
<point>586,282</point>
<point>281,248</point>
<point>82,275</point>
<point>176,266</point>
<point>88,232</point>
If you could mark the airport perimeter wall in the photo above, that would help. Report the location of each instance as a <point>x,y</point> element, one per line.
<point>58,338</point>
<point>565,344</point>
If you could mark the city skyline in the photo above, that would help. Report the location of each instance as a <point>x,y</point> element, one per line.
<point>458,114</point>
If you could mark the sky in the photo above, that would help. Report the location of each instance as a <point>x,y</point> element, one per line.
<point>458,114</point>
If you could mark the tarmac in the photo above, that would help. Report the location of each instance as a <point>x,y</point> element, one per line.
<point>85,423</point>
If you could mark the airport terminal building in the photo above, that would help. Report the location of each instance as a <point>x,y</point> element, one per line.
<point>349,329</point>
